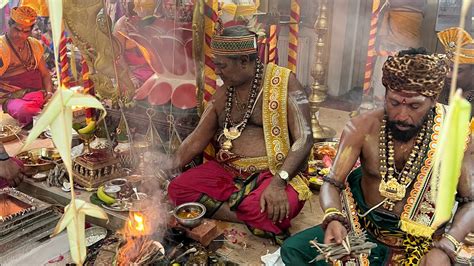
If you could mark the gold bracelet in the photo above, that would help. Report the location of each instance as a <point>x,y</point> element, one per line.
<point>456,244</point>
<point>328,210</point>
<point>326,215</point>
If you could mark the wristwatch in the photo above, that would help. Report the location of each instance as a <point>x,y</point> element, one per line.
<point>284,175</point>
<point>4,156</point>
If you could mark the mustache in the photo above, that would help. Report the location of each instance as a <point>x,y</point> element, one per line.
<point>403,124</point>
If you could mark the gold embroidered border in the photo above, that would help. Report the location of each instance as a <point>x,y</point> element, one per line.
<point>350,210</point>
<point>413,220</point>
<point>275,120</point>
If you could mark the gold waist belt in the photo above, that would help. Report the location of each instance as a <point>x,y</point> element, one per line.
<point>249,164</point>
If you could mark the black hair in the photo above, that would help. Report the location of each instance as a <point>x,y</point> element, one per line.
<point>413,51</point>
<point>236,31</point>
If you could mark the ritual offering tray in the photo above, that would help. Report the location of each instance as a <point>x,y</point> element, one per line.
<point>90,170</point>
<point>39,160</point>
<point>9,132</point>
<point>319,165</point>
<point>119,195</point>
<point>24,220</point>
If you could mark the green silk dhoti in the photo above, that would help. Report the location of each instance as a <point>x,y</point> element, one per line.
<point>382,229</point>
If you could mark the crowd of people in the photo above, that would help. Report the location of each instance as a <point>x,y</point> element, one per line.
<point>259,125</point>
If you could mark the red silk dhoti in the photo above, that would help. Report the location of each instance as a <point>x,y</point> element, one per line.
<point>212,180</point>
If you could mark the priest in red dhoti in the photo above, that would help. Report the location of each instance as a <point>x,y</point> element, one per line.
<point>259,124</point>
<point>25,82</point>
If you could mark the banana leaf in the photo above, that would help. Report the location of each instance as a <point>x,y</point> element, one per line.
<point>58,115</point>
<point>3,3</point>
<point>449,157</point>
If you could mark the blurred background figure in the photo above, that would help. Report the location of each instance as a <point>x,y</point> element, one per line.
<point>465,78</point>
<point>25,81</point>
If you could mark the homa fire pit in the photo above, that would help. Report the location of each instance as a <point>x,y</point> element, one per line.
<point>23,221</point>
<point>137,246</point>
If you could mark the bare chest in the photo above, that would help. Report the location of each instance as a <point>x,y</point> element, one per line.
<point>237,115</point>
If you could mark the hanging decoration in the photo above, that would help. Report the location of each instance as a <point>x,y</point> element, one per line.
<point>88,88</point>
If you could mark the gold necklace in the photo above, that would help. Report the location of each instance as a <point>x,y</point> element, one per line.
<point>241,106</point>
<point>392,187</point>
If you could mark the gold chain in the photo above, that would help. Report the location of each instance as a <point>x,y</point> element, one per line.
<point>392,187</point>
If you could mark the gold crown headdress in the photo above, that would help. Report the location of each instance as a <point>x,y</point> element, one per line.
<point>449,37</point>
<point>24,15</point>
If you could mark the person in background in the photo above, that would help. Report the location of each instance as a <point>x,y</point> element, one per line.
<point>25,81</point>
<point>465,79</point>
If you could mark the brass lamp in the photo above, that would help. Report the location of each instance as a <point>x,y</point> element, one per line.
<point>318,72</point>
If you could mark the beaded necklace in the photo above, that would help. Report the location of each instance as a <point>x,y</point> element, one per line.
<point>393,187</point>
<point>233,130</point>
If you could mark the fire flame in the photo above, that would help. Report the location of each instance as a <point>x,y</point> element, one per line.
<point>136,224</point>
<point>137,242</point>
<point>136,234</point>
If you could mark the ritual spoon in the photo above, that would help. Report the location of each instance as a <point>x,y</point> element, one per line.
<point>136,192</point>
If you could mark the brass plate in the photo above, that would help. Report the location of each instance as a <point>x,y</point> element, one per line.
<point>9,133</point>
<point>39,160</point>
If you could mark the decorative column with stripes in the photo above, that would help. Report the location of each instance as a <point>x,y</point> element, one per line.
<point>64,61</point>
<point>293,38</point>
<point>210,11</point>
<point>371,52</point>
<point>272,44</point>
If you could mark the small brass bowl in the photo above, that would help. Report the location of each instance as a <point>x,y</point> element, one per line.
<point>34,161</point>
<point>189,207</point>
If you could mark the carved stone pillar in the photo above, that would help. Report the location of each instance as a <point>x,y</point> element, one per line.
<point>319,87</point>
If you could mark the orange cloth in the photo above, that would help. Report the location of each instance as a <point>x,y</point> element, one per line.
<point>401,27</point>
<point>24,15</point>
<point>6,54</point>
<point>40,6</point>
